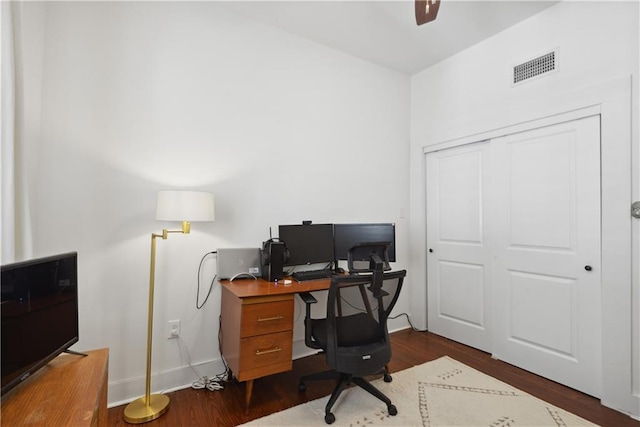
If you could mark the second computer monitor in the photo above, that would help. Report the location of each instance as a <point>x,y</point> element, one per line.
<point>347,235</point>
<point>308,244</point>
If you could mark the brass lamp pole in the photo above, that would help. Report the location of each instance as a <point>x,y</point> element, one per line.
<point>198,206</point>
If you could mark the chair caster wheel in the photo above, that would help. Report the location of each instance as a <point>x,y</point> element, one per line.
<point>392,410</point>
<point>387,378</point>
<point>302,387</point>
<point>329,418</point>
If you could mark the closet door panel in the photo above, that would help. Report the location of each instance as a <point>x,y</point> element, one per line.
<point>546,270</point>
<point>458,251</point>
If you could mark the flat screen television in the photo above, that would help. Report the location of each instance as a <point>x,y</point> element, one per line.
<point>39,314</point>
<point>346,236</point>
<point>307,244</point>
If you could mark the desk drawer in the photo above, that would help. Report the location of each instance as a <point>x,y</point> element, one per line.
<point>265,350</point>
<point>266,318</point>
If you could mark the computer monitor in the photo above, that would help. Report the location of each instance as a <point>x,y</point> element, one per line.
<point>346,236</point>
<point>307,244</point>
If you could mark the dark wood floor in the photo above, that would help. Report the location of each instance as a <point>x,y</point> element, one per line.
<point>191,407</point>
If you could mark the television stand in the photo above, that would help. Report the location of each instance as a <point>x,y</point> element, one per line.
<point>76,353</point>
<point>68,391</point>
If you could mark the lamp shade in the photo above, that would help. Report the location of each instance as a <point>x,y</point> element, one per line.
<point>185,206</point>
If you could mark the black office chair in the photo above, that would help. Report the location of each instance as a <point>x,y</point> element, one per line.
<point>354,333</point>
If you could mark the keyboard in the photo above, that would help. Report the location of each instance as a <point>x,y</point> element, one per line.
<point>303,276</point>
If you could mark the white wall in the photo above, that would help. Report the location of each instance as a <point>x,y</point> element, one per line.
<point>139,97</point>
<point>470,94</point>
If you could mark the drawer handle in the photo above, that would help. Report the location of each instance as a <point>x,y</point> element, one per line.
<point>267,319</point>
<point>271,350</point>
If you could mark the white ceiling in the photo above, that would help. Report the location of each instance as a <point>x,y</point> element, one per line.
<point>385,32</point>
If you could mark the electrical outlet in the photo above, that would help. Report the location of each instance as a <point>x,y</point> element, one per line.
<point>174,328</point>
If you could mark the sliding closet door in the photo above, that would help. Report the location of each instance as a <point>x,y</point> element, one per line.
<point>513,249</point>
<point>458,251</point>
<point>546,268</point>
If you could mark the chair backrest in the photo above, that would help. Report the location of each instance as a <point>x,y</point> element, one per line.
<point>357,310</point>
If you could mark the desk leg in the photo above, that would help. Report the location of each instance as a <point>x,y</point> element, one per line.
<point>247,396</point>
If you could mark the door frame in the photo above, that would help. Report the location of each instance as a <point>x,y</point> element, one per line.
<point>612,101</point>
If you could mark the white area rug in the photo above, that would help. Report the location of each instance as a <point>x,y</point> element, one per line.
<point>443,392</point>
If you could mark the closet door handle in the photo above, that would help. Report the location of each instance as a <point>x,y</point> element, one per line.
<point>430,250</point>
<point>587,267</point>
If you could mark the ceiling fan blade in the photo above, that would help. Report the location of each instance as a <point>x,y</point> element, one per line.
<point>426,10</point>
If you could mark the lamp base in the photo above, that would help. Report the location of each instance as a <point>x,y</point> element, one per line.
<point>139,411</point>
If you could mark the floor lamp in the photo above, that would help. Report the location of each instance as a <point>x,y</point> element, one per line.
<point>184,206</point>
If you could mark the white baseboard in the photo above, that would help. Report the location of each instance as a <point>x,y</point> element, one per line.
<point>125,391</point>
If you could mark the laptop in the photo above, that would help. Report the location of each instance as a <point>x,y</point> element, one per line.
<point>239,262</point>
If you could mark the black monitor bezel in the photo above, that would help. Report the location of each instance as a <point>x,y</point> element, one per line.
<point>321,256</point>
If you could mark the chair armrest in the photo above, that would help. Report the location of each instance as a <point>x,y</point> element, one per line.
<point>307,298</point>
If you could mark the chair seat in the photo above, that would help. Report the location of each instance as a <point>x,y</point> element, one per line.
<point>355,330</point>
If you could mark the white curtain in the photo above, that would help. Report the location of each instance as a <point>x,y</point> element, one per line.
<point>7,127</point>
<point>15,234</point>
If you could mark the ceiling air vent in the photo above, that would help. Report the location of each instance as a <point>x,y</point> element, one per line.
<point>536,67</point>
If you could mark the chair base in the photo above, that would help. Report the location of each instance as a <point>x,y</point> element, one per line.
<point>344,380</point>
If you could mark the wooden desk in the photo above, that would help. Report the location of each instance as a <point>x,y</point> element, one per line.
<point>257,326</point>
<point>69,391</point>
